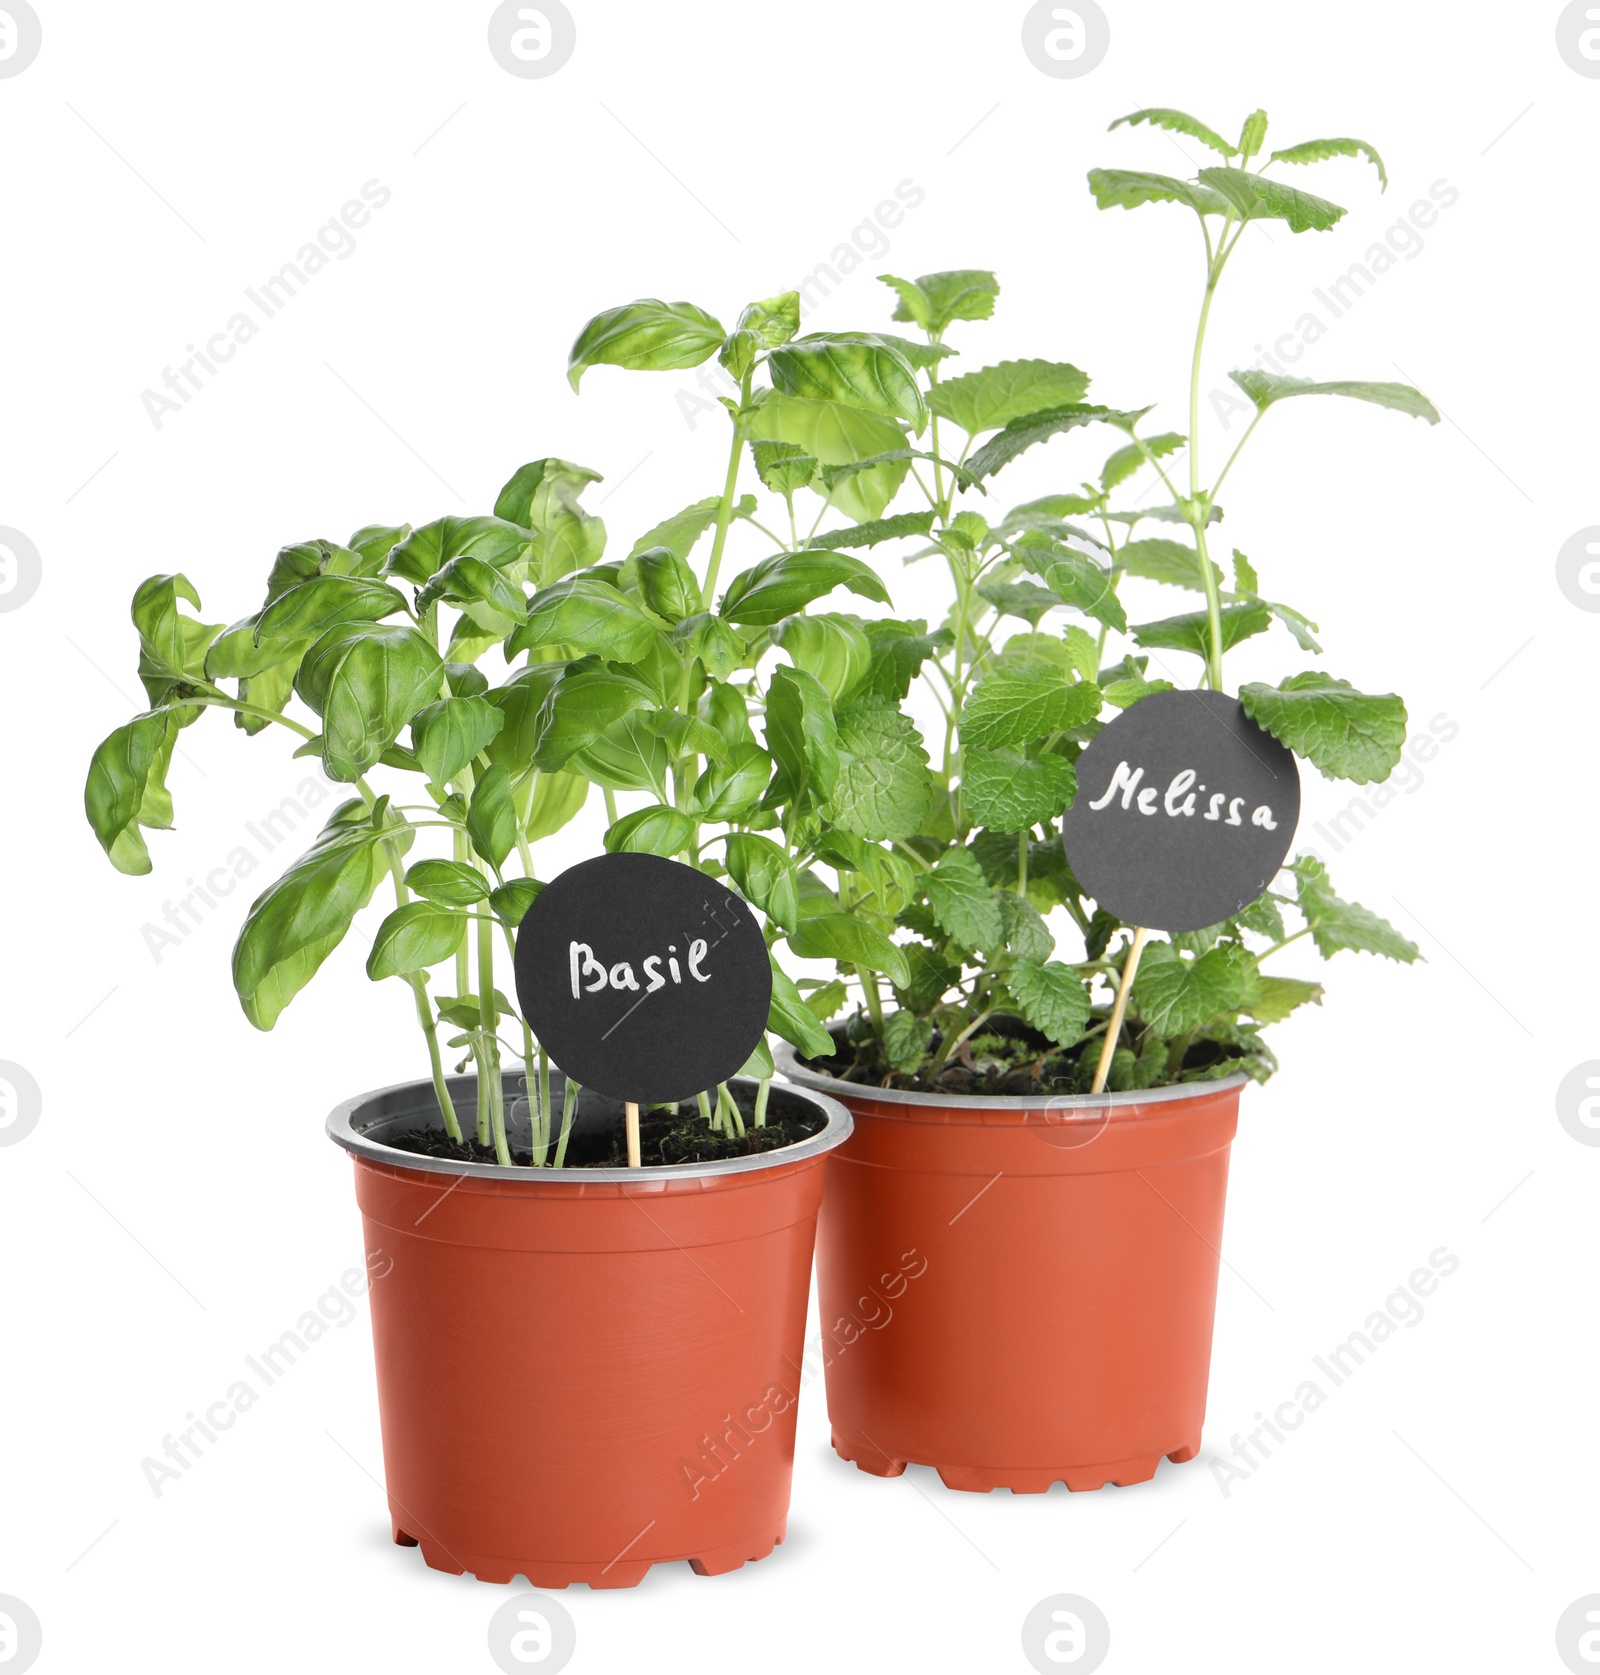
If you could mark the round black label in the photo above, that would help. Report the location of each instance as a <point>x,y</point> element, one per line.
<point>643,978</point>
<point>1184,812</point>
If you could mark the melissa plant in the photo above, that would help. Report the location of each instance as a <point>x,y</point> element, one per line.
<point>1020,696</point>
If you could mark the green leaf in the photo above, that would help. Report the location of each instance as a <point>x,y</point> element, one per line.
<point>1347,734</point>
<point>521,701</point>
<point>730,790</point>
<point>557,798</point>
<point>1337,924</point>
<point>1315,151</point>
<point>298,921</point>
<point>645,336</point>
<point>1277,997</point>
<point>1010,793</point>
<point>267,689</point>
<point>937,299</point>
<point>789,1017</point>
<point>234,654</point>
<point>366,681</point>
<point>426,551</point>
<point>831,649</point>
<point>495,604</point>
<point>870,534</point>
<point>1126,693</point>
<point>858,371</point>
<point>1176,996</point>
<point>1192,631</point>
<point>773,319</point>
<point>1265,388</point>
<point>510,903</point>
<point>658,830</point>
<point>837,434</point>
<point>1178,122</point>
<point>172,647</point>
<point>906,1040</point>
<point>414,937</point>
<point>963,904</point>
<point>719,647</point>
<point>450,883</point>
<point>1253,135</point>
<point>1077,580</point>
<point>1130,188</point>
<point>667,584</point>
<point>492,816</point>
<point>1052,998</point>
<point>630,755</point>
<point>310,609</point>
<point>1126,461</point>
<point>788,582</point>
<point>373,542</point>
<point>1253,197</point>
<point>1262,917</point>
<point>997,395</point>
<point>783,467</point>
<point>447,735</point>
<point>850,940</point>
<point>1019,599</point>
<point>802,738</point>
<point>679,533</point>
<point>1021,434</point>
<point>899,649</point>
<point>1027,936</point>
<point>304,559</point>
<point>765,876</point>
<point>126,787</point>
<point>580,707</point>
<point>590,614</point>
<point>1083,654</point>
<point>883,786</point>
<point>1157,559</point>
<point>1013,705</point>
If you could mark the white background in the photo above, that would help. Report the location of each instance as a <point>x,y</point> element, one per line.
<point>178,1206</point>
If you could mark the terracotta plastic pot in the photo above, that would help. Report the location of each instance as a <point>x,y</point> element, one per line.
<point>585,1372</point>
<point>1021,1291</point>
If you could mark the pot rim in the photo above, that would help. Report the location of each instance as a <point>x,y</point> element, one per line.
<point>789,1065</point>
<point>341,1128</point>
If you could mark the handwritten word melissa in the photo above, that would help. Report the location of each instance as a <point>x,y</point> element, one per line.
<point>1180,798</point>
<point>584,965</point>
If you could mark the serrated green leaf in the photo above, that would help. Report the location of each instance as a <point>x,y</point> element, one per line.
<point>1013,705</point>
<point>1011,793</point>
<point>1253,197</point>
<point>782,466</point>
<point>1337,924</point>
<point>1126,693</point>
<point>1052,998</point>
<point>1192,631</point>
<point>679,533</point>
<point>1265,388</point>
<point>934,300</point>
<point>1347,734</point>
<point>1131,188</point>
<point>1156,559</point>
<point>906,1040</point>
<point>883,787</point>
<point>1126,461</point>
<point>1178,122</point>
<point>1176,996</point>
<point>995,395</point>
<point>870,534</point>
<point>1021,434</point>
<point>1277,997</point>
<point>1027,936</point>
<point>1315,151</point>
<point>963,904</point>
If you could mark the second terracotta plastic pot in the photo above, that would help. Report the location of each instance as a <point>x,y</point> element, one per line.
<point>584,1372</point>
<point>1019,1292</point>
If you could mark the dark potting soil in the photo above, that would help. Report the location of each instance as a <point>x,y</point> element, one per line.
<point>1008,1060</point>
<point>667,1135</point>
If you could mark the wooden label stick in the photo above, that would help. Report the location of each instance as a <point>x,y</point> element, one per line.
<point>631,1119</point>
<point>1108,1047</point>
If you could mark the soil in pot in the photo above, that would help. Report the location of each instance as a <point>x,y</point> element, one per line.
<point>1006,1058</point>
<point>668,1134</point>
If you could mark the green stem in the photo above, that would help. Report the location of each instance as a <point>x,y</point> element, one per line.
<point>548,1117</point>
<point>243,709</point>
<point>1022,861</point>
<point>1267,953</point>
<point>489,1066</point>
<point>762,1091</point>
<point>569,1114</point>
<point>708,588</point>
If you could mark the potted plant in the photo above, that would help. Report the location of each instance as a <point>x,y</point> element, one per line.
<point>1063,1329</point>
<point>639,1327</point>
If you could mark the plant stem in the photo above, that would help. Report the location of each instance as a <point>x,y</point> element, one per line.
<point>548,1118</point>
<point>761,1101</point>
<point>569,1115</point>
<point>729,1111</point>
<point>1198,509</point>
<point>708,588</point>
<point>1022,861</point>
<point>1266,953</point>
<point>489,1067</point>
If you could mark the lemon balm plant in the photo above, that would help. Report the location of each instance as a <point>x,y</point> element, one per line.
<point>991,1008</point>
